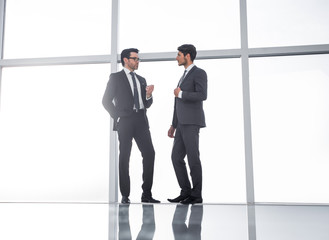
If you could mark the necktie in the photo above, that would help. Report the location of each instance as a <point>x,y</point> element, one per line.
<point>136,98</point>
<point>182,78</point>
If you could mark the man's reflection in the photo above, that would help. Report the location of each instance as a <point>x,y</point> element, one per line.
<point>124,226</point>
<point>193,230</point>
<point>147,228</point>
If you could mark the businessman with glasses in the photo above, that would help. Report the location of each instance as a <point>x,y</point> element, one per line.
<point>126,98</point>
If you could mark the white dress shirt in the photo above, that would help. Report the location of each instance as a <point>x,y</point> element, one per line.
<point>130,79</point>
<point>180,94</point>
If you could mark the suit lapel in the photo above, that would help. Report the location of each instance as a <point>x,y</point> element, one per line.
<point>142,85</point>
<point>188,74</point>
<point>126,82</point>
<point>127,85</point>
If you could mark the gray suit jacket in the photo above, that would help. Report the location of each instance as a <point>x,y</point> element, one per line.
<point>118,98</point>
<point>189,108</point>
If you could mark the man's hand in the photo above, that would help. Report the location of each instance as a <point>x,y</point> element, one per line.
<point>149,90</point>
<point>171,132</point>
<point>176,91</point>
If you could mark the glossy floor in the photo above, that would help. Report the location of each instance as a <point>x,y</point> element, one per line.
<point>48,221</point>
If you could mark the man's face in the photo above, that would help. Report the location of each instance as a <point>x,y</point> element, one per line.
<point>132,62</point>
<point>181,59</point>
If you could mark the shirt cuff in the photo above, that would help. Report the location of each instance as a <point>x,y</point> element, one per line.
<point>180,94</point>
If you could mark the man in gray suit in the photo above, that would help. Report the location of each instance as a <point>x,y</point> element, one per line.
<point>187,120</point>
<point>126,98</point>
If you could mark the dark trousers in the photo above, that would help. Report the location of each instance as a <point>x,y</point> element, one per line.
<point>186,143</point>
<point>129,128</point>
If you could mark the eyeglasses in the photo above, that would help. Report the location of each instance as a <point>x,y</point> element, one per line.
<point>136,59</point>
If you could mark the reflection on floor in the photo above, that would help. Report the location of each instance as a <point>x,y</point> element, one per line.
<point>180,229</point>
<point>50,221</point>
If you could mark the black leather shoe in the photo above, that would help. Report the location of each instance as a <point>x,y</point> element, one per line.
<point>125,200</point>
<point>149,199</point>
<point>178,199</point>
<point>191,200</point>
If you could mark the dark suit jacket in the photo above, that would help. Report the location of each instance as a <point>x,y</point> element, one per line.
<point>118,98</point>
<point>189,108</point>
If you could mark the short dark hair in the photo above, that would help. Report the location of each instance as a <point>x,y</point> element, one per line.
<point>188,48</point>
<point>126,54</point>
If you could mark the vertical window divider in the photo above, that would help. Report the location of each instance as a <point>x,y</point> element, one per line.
<point>2,33</point>
<point>113,171</point>
<point>113,174</point>
<point>246,103</point>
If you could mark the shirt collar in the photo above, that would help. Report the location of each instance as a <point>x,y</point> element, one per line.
<point>189,68</point>
<point>127,71</point>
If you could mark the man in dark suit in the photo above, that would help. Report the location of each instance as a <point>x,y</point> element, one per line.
<point>126,98</point>
<point>187,120</point>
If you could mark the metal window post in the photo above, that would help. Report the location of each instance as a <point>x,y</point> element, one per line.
<point>113,184</point>
<point>246,103</point>
<point>113,172</point>
<point>2,33</point>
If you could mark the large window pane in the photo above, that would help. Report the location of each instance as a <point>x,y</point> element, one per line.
<point>39,28</point>
<point>157,26</point>
<point>221,142</point>
<point>287,22</point>
<point>54,134</point>
<point>290,115</point>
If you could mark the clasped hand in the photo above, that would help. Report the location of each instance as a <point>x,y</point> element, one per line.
<point>176,91</point>
<point>149,90</point>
